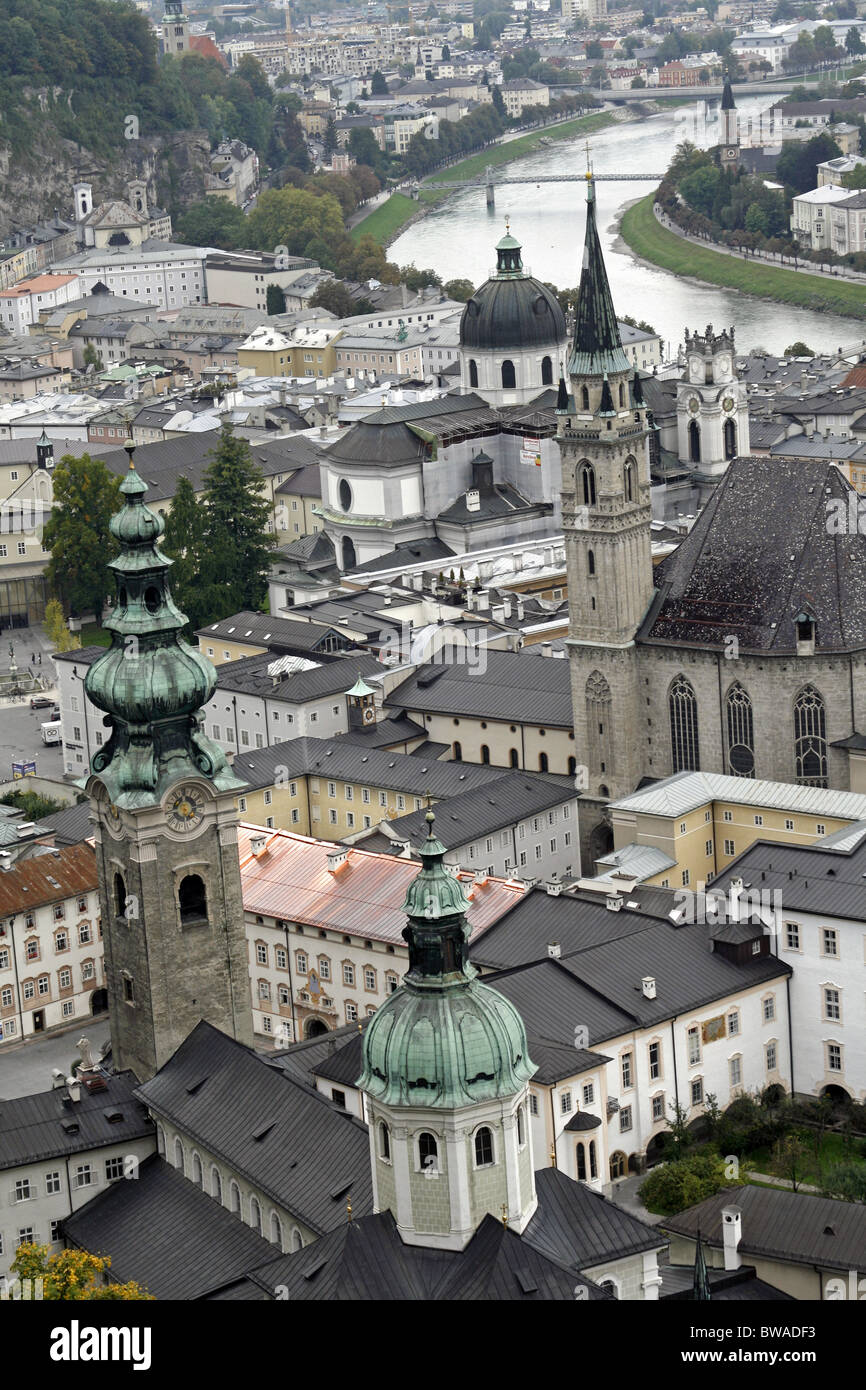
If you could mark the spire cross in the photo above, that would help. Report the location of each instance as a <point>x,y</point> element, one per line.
<point>588,161</point>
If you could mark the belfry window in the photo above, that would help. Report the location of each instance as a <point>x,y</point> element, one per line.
<point>694,442</point>
<point>119,895</point>
<point>428,1153</point>
<point>810,738</point>
<point>590,561</point>
<point>628,480</point>
<point>730,433</point>
<point>484,1147</point>
<point>683,707</point>
<point>584,398</point>
<point>192,899</point>
<point>586,484</point>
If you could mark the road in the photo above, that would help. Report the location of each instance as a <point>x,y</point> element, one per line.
<point>26,1067</point>
<point>20,738</point>
<point>841,272</point>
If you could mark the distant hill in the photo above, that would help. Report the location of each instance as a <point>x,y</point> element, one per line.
<point>83,93</point>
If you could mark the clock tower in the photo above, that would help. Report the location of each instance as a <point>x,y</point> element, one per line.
<point>165,823</point>
<point>712,404</point>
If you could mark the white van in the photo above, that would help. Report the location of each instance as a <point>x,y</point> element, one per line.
<point>51,732</point>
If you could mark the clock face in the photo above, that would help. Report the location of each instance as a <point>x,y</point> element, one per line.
<point>185,809</point>
<point>113,820</point>
<point>694,405</point>
<point>728,403</point>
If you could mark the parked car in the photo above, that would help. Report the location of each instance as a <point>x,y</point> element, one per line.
<point>41,702</point>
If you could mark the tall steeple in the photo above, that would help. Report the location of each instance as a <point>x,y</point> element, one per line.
<point>729,144</point>
<point>164,816</point>
<point>597,347</point>
<point>445,1069</point>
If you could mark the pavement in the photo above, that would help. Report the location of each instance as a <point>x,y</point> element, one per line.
<point>624,1194</point>
<point>20,736</point>
<point>26,1067</point>
<point>758,257</point>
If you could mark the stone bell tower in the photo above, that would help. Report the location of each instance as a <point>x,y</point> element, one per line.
<point>602,435</point>
<point>165,823</point>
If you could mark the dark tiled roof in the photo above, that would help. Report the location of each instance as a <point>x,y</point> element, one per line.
<point>576,1226</point>
<point>32,1127</point>
<point>222,1094</point>
<point>166,1233</point>
<point>410,553</point>
<point>812,878</point>
<point>474,812</point>
<point>493,504</point>
<point>596,348</point>
<point>250,675</point>
<point>273,632</point>
<point>162,463</point>
<point>518,687</point>
<point>760,550</point>
<point>386,732</point>
<point>69,826</point>
<point>791,1226</point>
<point>347,761</point>
<point>726,1285</point>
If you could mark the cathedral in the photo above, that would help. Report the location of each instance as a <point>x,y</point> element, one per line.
<point>739,652</point>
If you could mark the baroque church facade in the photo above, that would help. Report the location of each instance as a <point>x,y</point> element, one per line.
<point>743,651</point>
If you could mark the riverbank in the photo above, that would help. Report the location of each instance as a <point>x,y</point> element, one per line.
<point>386,222</point>
<point>649,241</point>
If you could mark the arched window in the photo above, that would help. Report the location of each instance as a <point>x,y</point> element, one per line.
<point>593,1163</point>
<point>196,1170</point>
<point>599,723</point>
<point>457,750</point>
<point>473,372</point>
<point>297,1240</point>
<point>617,1165</point>
<point>276,1230</point>
<point>610,1284</point>
<point>484,1147</point>
<point>542,762</point>
<point>694,442</point>
<point>120,895</point>
<point>683,708</point>
<point>590,561</point>
<point>621,394</point>
<point>730,433</point>
<point>741,736</point>
<point>384,1141</point>
<point>572,766</point>
<point>160,1140</point>
<point>235,1199</point>
<point>192,898</point>
<point>513,758</point>
<point>178,1155</point>
<point>521,1126</point>
<point>428,1153</point>
<point>581,1162</point>
<point>586,484</point>
<point>349,559</point>
<point>216,1185</point>
<point>810,738</point>
<point>509,377</point>
<point>628,480</point>
<point>546,371</point>
<point>584,398</point>
<point>485,753</point>
<point>255,1215</point>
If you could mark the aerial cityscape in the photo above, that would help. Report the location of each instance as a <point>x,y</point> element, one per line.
<point>433,662</point>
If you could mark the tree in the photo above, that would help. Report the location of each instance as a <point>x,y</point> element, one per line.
<point>798,349</point>
<point>672,1187</point>
<point>213,222</point>
<point>378,85</point>
<point>73,1275</point>
<point>459,289</point>
<point>638,82</point>
<point>498,101</point>
<point>276,300</point>
<point>790,1155</point>
<point>853,42</point>
<point>845,1181</point>
<point>292,217</point>
<point>330,141</point>
<point>594,49</point>
<point>756,220</point>
<point>700,187</point>
<point>797,164</point>
<point>86,496</point>
<point>364,148</point>
<point>183,544</point>
<point>678,1128</point>
<point>236,543</point>
<point>416,279</point>
<point>58,634</point>
<point>92,358</point>
<point>334,296</point>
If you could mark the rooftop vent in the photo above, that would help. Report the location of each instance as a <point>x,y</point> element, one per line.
<point>258,845</point>
<point>648,987</point>
<point>554,950</point>
<point>336,859</point>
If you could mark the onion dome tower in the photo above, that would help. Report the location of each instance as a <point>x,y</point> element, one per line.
<point>163,806</point>
<point>446,1071</point>
<point>512,332</point>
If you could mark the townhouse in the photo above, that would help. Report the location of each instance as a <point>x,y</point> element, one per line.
<point>51,960</point>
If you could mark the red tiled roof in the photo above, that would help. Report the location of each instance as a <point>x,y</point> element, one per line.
<point>856,377</point>
<point>364,897</point>
<point>206,48</point>
<point>28,883</point>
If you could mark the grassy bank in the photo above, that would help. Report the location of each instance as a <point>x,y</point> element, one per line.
<point>663,248</point>
<point>386,221</point>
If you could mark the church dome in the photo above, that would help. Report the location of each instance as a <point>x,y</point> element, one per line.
<point>512,309</point>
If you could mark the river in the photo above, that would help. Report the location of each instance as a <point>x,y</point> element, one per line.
<point>457,238</point>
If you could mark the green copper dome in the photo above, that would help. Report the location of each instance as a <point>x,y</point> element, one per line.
<point>150,682</point>
<point>442,1039</point>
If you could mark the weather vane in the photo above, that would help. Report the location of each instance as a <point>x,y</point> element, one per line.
<point>588,159</point>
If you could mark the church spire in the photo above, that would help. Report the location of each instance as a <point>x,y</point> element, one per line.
<point>597,347</point>
<point>728,95</point>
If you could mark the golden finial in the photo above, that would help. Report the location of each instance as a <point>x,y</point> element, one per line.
<point>553,1156</point>
<point>588,161</point>
<point>504,1211</point>
<point>349,1208</point>
<point>507,226</point>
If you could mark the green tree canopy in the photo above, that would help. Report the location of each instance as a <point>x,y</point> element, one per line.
<point>459,289</point>
<point>213,222</point>
<point>86,496</point>
<point>797,165</point>
<point>236,544</point>
<point>291,217</point>
<point>183,543</point>
<point>334,296</point>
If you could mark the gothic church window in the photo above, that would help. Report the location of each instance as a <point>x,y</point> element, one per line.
<point>590,561</point>
<point>741,737</point>
<point>628,480</point>
<point>119,895</point>
<point>683,706</point>
<point>810,738</point>
<point>509,377</point>
<point>584,398</point>
<point>587,484</point>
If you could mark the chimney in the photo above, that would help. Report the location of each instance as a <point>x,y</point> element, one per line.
<point>553,887</point>
<point>484,601</point>
<point>546,648</point>
<point>613,904</point>
<point>258,844</point>
<point>648,987</point>
<point>506,607</point>
<point>336,859</point>
<point>520,610</point>
<point>732,1230</point>
<point>480,877</point>
<point>5,861</point>
<point>57,1079</point>
<point>74,1090</point>
<point>554,950</point>
<point>473,500</point>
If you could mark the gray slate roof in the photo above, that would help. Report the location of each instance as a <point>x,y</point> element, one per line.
<point>346,761</point>
<point>32,1127</point>
<point>759,551</point>
<point>250,675</point>
<point>478,811</point>
<point>168,1234</point>
<point>222,1094</point>
<point>69,826</point>
<point>791,1226</point>
<point>824,878</point>
<point>276,633</point>
<point>163,462</point>
<point>519,687</point>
